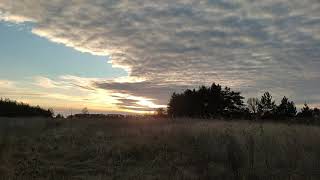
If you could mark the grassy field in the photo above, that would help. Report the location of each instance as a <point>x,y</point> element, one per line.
<point>157,149</point>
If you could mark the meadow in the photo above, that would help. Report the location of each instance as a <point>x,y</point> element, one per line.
<point>157,149</point>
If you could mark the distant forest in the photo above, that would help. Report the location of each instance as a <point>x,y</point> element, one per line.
<point>204,102</point>
<point>216,101</point>
<point>9,108</point>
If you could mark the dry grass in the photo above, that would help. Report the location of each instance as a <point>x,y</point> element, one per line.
<point>157,149</point>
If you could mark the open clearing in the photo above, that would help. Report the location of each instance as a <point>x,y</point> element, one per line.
<point>157,149</point>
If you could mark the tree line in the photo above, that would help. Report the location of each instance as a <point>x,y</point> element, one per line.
<point>216,101</point>
<point>9,108</point>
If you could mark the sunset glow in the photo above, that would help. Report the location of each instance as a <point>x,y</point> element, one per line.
<point>121,57</point>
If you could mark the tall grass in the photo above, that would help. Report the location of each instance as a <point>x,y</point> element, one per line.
<point>157,149</point>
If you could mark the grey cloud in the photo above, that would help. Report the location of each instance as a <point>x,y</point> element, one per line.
<point>128,104</point>
<point>246,44</point>
<point>158,93</point>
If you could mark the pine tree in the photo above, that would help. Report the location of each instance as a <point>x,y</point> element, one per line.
<point>306,112</point>
<point>286,109</point>
<point>267,106</point>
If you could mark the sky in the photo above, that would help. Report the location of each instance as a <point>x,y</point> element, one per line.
<point>120,56</point>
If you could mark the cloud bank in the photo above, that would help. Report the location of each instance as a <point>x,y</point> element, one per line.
<point>250,45</point>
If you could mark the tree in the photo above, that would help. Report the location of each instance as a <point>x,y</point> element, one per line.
<point>253,104</point>
<point>59,116</point>
<point>316,113</point>
<point>160,112</point>
<point>215,100</point>
<point>50,111</point>
<point>233,103</point>
<point>306,112</point>
<point>286,109</point>
<point>176,106</point>
<point>9,108</point>
<point>85,111</point>
<point>210,101</point>
<point>267,106</point>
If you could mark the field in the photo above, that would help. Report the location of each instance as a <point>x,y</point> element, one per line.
<point>147,148</point>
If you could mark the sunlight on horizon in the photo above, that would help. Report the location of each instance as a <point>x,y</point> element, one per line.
<point>69,91</point>
<point>63,54</point>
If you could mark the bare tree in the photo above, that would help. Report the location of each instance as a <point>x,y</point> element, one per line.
<point>160,112</point>
<point>85,111</point>
<point>253,104</point>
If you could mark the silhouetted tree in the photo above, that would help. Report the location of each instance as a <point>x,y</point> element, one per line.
<point>232,102</point>
<point>206,102</point>
<point>160,112</point>
<point>85,111</point>
<point>267,106</point>
<point>306,112</point>
<point>59,116</point>
<point>286,109</point>
<point>9,108</point>
<point>50,110</point>
<point>215,101</point>
<point>176,106</point>
<point>316,113</point>
<point>253,104</point>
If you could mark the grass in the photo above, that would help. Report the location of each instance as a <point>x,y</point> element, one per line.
<point>157,149</point>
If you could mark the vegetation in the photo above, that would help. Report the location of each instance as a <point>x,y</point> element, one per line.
<point>253,105</point>
<point>215,101</point>
<point>10,108</point>
<point>286,109</point>
<point>197,146</point>
<point>145,148</point>
<point>267,106</point>
<point>206,102</point>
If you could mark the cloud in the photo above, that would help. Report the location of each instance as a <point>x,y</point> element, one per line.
<point>155,92</point>
<point>68,91</point>
<point>46,82</point>
<point>119,96</point>
<point>171,45</point>
<point>5,84</point>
